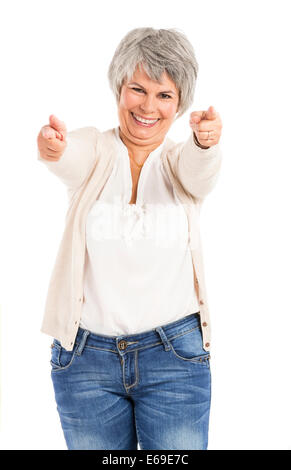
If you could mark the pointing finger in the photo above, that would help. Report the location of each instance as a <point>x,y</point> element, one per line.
<point>210,113</point>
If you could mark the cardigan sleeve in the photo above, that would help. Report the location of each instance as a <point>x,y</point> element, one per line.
<point>78,158</point>
<point>197,169</point>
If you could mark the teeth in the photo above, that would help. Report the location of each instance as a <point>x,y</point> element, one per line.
<point>145,121</point>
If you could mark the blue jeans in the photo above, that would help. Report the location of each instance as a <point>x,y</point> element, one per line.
<point>151,388</point>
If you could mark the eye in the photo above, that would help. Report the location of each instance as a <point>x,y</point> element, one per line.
<point>137,89</point>
<point>165,96</point>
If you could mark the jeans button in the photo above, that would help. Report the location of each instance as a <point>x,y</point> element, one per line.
<point>122,344</point>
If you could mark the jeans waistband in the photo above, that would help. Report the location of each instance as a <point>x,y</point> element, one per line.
<point>125,343</point>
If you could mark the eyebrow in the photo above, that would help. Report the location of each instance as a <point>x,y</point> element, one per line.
<point>135,83</point>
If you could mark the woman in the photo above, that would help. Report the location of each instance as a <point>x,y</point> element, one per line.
<point>127,301</point>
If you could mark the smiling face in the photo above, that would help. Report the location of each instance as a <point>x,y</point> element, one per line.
<point>147,109</point>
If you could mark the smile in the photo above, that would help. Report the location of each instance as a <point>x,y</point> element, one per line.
<point>144,122</point>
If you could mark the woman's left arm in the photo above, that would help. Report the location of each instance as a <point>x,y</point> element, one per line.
<point>199,158</point>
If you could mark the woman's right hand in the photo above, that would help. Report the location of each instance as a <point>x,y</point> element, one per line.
<point>51,139</point>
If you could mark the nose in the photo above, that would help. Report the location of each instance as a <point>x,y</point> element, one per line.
<point>148,106</point>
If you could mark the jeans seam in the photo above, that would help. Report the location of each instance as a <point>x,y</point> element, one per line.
<point>199,359</point>
<point>184,333</point>
<point>100,349</point>
<point>116,352</point>
<point>136,371</point>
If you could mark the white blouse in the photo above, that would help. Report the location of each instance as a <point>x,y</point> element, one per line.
<point>138,268</point>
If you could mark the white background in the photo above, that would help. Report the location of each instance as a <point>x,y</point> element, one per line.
<point>54,60</point>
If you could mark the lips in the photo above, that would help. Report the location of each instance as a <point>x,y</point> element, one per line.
<point>143,124</point>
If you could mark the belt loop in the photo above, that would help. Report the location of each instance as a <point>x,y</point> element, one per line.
<point>82,343</point>
<point>164,338</point>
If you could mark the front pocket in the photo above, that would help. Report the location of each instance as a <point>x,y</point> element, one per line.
<point>188,346</point>
<point>60,357</point>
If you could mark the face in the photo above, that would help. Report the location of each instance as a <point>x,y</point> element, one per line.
<point>147,108</point>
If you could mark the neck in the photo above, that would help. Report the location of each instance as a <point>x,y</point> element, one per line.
<point>137,151</point>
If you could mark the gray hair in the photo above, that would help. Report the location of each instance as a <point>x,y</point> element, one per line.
<point>158,51</point>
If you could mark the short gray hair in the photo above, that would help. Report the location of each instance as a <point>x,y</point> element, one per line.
<point>158,51</point>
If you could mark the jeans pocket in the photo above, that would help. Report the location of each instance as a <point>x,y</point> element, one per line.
<point>61,358</point>
<point>188,346</point>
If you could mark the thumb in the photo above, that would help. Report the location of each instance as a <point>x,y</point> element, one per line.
<point>58,125</point>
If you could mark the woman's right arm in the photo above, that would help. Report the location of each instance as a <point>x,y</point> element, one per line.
<point>70,156</point>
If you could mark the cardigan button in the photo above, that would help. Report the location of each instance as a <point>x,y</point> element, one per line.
<point>201,302</point>
<point>204,323</point>
<point>207,345</point>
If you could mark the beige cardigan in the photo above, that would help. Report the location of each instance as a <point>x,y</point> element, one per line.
<point>84,168</point>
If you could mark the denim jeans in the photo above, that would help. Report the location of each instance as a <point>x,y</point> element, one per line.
<point>151,388</point>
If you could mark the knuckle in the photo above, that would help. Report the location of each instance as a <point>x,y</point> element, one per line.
<point>56,145</point>
<point>46,157</point>
<point>54,158</point>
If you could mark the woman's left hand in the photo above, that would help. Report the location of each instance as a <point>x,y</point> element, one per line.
<point>206,126</point>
